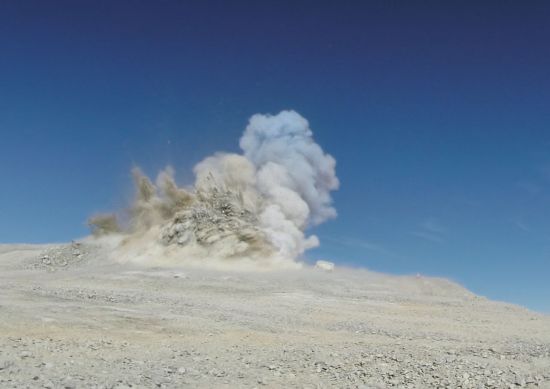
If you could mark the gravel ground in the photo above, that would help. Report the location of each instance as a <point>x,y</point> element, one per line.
<point>71,319</point>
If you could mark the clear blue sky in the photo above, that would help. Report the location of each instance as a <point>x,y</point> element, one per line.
<point>438,115</point>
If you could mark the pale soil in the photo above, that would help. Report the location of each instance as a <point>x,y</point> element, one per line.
<point>73,319</point>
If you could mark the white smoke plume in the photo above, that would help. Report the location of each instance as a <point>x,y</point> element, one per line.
<point>253,208</point>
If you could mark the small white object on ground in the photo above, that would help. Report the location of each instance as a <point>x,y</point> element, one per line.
<point>324,265</point>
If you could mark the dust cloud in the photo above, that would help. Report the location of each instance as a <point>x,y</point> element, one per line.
<point>249,210</point>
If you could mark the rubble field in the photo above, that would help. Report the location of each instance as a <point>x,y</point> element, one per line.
<point>71,318</point>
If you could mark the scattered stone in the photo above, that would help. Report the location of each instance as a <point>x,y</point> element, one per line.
<point>141,328</point>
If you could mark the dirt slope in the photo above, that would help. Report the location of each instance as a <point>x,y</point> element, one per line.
<point>69,318</point>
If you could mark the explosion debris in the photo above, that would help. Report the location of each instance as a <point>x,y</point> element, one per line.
<point>254,206</point>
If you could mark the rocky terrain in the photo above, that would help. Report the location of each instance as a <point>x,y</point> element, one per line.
<point>69,318</point>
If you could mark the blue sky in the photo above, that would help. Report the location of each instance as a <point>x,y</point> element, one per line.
<point>438,115</point>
